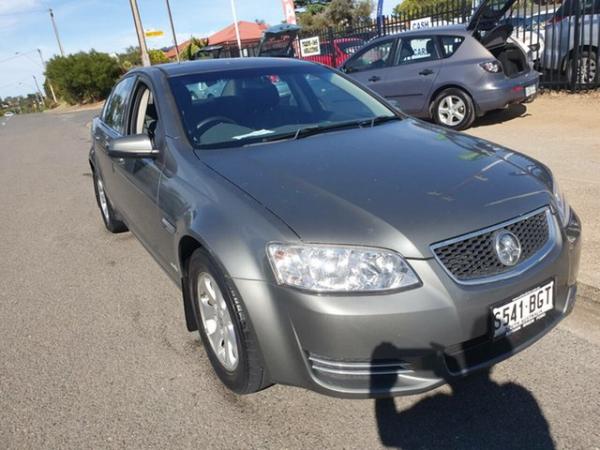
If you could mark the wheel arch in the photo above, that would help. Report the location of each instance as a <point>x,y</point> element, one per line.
<point>582,48</point>
<point>437,92</point>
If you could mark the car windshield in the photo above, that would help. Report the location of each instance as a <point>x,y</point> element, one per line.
<point>242,107</point>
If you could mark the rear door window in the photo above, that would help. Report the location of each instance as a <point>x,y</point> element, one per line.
<point>417,49</point>
<point>116,106</point>
<point>450,44</point>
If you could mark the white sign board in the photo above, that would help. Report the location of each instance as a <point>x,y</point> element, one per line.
<point>423,22</point>
<point>310,46</point>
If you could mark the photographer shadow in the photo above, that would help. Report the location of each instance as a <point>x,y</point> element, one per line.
<point>479,413</point>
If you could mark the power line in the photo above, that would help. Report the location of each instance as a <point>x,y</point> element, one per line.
<point>20,13</point>
<point>16,55</point>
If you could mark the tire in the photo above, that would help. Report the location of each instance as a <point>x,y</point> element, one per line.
<point>242,370</point>
<point>458,117</point>
<point>586,66</point>
<point>109,216</point>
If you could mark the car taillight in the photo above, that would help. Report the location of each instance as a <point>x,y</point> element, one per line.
<point>491,66</point>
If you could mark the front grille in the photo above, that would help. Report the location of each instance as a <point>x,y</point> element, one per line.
<point>474,256</point>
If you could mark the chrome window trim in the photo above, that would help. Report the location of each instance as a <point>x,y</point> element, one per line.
<point>521,267</point>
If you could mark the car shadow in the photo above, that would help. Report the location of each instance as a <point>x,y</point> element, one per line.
<point>478,413</point>
<point>501,115</point>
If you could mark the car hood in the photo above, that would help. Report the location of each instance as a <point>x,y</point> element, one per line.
<point>402,185</point>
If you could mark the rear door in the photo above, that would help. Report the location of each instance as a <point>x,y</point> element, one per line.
<point>416,65</point>
<point>371,66</point>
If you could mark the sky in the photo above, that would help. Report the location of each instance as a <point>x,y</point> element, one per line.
<point>107,25</point>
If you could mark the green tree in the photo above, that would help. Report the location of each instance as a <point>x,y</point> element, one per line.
<point>413,6</point>
<point>336,13</point>
<point>157,57</point>
<point>191,50</point>
<point>130,58</point>
<point>83,77</point>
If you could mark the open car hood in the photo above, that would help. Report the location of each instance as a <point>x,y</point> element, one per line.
<point>488,14</point>
<point>277,41</point>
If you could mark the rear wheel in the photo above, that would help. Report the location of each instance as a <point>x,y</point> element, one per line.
<point>224,327</point>
<point>109,216</point>
<point>453,108</point>
<point>586,66</point>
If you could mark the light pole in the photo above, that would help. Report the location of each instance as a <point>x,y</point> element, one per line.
<point>60,47</point>
<point>173,30</point>
<point>237,28</point>
<point>140,32</point>
<point>47,79</point>
<point>37,86</point>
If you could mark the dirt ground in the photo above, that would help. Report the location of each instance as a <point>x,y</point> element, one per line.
<point>562,131</point>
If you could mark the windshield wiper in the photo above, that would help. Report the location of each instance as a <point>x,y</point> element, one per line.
<point>316,129</point>
<point>311,130</point>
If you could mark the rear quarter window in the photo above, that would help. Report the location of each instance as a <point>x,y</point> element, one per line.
<point>450,45</point>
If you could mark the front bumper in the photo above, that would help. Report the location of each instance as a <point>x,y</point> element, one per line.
<point>500,91</point>
<point>400,343</point>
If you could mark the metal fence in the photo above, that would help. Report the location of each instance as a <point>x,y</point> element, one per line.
<point>563,39</point>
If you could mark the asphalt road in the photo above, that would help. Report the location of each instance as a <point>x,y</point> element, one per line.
<point>94,352</point>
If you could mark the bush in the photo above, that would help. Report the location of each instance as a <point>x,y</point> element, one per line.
<point>83,77</point>
<point>157,57</point>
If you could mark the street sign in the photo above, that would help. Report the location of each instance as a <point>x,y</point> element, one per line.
<point>417,24</point>
<point>154,33</point>
<point>310,46</point>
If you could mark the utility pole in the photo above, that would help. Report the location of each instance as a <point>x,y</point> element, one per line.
<point>37,86</point>
<point>47,79</point>
<point>60,47</point>
<point>140,32</point>
<point>173,30</point>
<point>237,27</point>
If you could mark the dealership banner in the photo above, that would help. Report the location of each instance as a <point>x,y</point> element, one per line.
<point>289,11</point>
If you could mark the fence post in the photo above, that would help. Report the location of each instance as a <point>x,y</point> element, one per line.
<point>575,61</point>
<point>330,38</point>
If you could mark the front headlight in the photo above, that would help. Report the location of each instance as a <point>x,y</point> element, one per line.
<point>564,211</point>
<point>324,268</point>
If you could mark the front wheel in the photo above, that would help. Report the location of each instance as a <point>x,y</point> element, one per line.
<point>224,326</point>
<point>453,108</point>
<point>109,216</point>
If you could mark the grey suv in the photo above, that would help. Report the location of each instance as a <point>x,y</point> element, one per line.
<point>322,239</point>
<point>451,74</point>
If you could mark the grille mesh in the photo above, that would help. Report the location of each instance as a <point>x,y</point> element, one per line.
<point>475,257</point>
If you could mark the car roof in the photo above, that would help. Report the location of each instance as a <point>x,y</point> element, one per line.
<point>221,64</point>
<point>460,30</point>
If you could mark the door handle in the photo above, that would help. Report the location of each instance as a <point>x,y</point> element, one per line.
<point>426,72</point>
<point>374,78</point>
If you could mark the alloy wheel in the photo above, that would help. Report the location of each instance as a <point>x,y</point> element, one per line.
<point>217,322</point>
<point>452,110</point>
<point>587,70</point>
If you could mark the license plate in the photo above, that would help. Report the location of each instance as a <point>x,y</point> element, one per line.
<point>530,90</point>
<point>523,310</point>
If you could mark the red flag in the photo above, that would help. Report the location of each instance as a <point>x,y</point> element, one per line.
<point>289,11</point>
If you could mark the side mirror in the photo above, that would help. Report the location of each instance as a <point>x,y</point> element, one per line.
<point>135,146</point>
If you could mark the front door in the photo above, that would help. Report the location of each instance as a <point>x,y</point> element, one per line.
<point>371,66</point>
<point>139,177</point>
